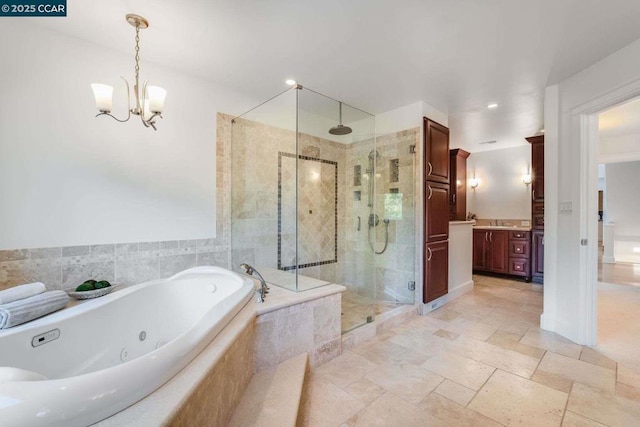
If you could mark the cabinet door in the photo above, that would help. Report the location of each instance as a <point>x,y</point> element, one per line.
<point>436,152</point>
<point>480,244</point>
<point>436,271</point>
<point>537,255</point>
<point>537,171</point>
<point>453,188</point>
<point>498,253</point>
<point>436,211</point>
<point>458,184</point>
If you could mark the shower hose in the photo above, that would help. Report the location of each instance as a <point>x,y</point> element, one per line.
<point>386,237</point>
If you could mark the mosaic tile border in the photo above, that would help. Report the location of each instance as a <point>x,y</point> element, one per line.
<point>282,154</point>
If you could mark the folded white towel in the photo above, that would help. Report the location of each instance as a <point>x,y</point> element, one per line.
<point>25,310</point>
<point>21,292</point>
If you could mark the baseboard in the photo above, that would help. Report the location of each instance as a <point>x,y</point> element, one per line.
<point>608,260</point>
<point>547,322</point>
<point>453,294</point>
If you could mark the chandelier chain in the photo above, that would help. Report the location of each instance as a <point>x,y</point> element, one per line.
<point>137,52</point>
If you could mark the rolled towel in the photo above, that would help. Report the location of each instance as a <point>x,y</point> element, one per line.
<point>21,292</point>
<point>25,310</point>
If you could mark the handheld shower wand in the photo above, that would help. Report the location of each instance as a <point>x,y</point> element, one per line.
<point>264,289</point>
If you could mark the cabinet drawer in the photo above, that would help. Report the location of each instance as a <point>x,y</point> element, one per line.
<point>519,266</point>
<point>518,235</point>
<point>519,248</point>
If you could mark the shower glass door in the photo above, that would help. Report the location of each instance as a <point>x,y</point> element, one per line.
<point>335,202</point>
<point>263,218</point>
<point>395,204</point>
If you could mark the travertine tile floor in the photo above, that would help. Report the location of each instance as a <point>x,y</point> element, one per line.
<point>479,361</point>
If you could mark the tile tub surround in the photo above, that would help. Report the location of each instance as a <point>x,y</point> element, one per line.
<point>120,263</point>
<point>480,360</point>
<point>290,323</point>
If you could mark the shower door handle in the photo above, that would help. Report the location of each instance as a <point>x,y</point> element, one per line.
<point>430,193</point>
<point>358,224</point>
<point>430,254</point>
<point>454,199</point>
<point>430,168</point>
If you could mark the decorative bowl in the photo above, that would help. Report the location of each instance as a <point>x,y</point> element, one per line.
<point>89,294</point>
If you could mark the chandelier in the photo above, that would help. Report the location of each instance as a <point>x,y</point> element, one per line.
<point>149,100</point>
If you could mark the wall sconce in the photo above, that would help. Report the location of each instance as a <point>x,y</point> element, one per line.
<point>527,179</point>
<point>473,183</point>
<point>149,100</point>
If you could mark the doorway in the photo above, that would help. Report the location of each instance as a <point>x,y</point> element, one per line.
<point>618,199</point>
<point>601,303</point>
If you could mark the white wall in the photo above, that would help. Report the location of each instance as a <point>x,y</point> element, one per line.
<point>623,206</point>
<point>501,193</point>
<point>569,303</point>
<point>67,178</point>
<point>621,148</point>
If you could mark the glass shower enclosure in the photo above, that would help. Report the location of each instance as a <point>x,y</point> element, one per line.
<point>309,207</point>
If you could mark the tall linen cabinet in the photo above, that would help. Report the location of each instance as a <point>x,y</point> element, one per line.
<point>436,210</point>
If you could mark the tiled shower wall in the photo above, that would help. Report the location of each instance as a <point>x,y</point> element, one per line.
<point>255,204</point>
<point>129,263</point>
<point>394,268</point>
<point>255,199</point>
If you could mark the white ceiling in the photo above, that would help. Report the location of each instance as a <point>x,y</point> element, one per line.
<point>458,55</point>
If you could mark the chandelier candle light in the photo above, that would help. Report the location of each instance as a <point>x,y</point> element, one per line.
<point>149,101</point>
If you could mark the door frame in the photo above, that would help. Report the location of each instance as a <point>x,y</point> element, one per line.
<point>585,120</point>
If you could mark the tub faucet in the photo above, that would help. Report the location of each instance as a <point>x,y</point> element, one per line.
<point>264,289</point>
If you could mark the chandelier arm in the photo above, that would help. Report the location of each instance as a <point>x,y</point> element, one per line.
<point>102,113</point>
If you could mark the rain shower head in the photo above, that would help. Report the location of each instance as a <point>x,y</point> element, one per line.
<point>373,155</point>
<point>340,129</point>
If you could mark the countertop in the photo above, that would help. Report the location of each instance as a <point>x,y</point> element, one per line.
<point>502,227</point>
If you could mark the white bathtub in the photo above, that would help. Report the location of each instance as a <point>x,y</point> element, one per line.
<point>100,364</point>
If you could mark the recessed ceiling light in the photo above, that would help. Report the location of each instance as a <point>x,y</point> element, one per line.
<point>290,82</point>
<point>492,106</point>
<point>488,142</point>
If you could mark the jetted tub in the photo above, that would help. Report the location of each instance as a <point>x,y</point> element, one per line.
<point>85,363</point>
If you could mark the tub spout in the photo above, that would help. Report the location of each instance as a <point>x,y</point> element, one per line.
<point>264,289</point>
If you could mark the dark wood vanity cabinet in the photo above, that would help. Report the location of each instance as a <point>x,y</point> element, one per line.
<point>458,183</point>
<point>537,208</point>
<point>520,254</point>
<point>502,252</point>
<point>436,198</point>
<point>490,251</point>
